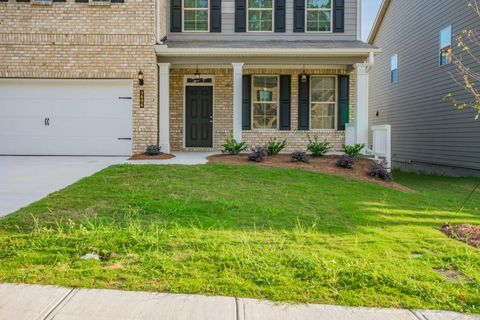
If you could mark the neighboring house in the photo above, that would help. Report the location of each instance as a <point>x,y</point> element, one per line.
<point>411,78</point>
<point>257,68</point>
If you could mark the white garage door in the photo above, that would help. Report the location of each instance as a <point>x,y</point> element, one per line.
<point>65,117</point>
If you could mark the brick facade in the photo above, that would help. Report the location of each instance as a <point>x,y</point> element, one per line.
<point>223,108</point>
<point>77,40</point>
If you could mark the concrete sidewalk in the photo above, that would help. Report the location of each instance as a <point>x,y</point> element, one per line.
<point>22,302</point>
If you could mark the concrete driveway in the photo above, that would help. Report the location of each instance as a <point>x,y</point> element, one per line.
<point>24,180</point>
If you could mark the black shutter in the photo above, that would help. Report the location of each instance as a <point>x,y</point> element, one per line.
<point>280,13</point>
<point>343,101</point>
<point>215,15</point>
<point>299,16</point>
<point>117,1</point>
<point>285,102</point>
<point>176,16</point>
<point>240,16</point>
<point>339,16</point>
<point>303,104</point>
<point>28,0</point>
<point>80,1</point>
<point>61,1</point>
<point>247,102</point>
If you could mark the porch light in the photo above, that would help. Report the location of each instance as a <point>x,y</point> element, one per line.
<point>196,75</point>
<point>303,77</point>
<point>140,78</point>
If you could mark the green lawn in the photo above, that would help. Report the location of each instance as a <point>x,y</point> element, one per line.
<point>284,235</point>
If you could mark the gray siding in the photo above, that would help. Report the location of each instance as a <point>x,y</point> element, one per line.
<point>228,27</point>
<point>426,128</point>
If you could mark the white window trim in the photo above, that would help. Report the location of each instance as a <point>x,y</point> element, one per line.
<point>334,103</point>
<point>391,70</point>
<point>444,47</point>
<point>252,90</point>
<point>99,3</point>
<point>312,9</point>
<point>195,9</point>
<point>261,9</point>
<point>46,3</point>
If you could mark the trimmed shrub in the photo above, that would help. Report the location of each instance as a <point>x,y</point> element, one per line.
<point>346,161</point>
<point>153,150</point>
<point>274,147</point>
<point>258,154</point>
<point>380,170</point>
<point>317,148</point>
<point>231,146</point>
<point>353,151</point>
<point>300,156</point>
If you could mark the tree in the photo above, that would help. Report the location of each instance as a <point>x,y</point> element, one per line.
<point>467,77</point>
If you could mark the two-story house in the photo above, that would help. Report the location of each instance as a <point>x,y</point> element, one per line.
<point>256,68</point>
<point>411,79</point>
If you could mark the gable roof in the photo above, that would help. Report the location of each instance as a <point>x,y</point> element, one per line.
<point>378,21</point>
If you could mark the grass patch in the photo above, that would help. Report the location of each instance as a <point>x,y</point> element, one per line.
<point>248,231</point>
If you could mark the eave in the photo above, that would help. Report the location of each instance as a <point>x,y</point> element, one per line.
<point>378,21</point>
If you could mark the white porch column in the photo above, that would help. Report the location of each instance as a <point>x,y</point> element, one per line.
<point>237,100</point>
<point>164,106</point>
<point>361,104</point>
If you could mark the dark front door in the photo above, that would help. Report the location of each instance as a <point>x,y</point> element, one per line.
<point>199,116</point>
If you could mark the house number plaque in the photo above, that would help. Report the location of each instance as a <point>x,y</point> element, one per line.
<point>142,99</point>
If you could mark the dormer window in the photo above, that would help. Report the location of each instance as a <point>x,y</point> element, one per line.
<point>260,15</point>
<point>318,15</point>
<point>196,16</point>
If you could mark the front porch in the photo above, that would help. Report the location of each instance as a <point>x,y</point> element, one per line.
<point>205,99</point>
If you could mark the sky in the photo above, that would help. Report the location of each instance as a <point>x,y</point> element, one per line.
<point>369,12</point>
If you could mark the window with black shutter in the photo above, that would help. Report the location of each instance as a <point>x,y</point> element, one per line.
<point>303,102</point>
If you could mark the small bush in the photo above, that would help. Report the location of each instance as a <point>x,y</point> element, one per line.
<point>346,161</point>
<point>318,149</point>
<point>274,147</point>
<point>380,170</point>
<point>258,154</point>
<point>231,146</point>
<point>153,150</point>
<point>353,151</point>
<point>300,156</point>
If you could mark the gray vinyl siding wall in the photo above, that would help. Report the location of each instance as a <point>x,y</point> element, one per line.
<point>428,132</point>
<point>228,27</point>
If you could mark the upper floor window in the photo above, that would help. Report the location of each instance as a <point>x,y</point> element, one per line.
<point>196,16</point>
<point>446,46</point>
<point>265,92</point>
<point>260,15</point>
<point>394,69</point>
<point>323,102</point>
<point>319,15</point>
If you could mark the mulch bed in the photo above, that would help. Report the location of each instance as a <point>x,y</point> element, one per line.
<point>464,232</point>
<point>161,156</point>
<point>317,164</point>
